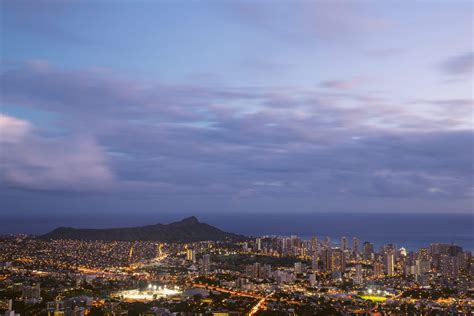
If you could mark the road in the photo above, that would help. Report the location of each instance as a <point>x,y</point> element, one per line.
<point>244,294</point>
<point>260,304</point>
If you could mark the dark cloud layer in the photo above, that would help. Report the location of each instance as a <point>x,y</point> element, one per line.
<point>123,137</point>
<point>460,65</point>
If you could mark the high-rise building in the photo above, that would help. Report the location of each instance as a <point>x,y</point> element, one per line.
<point>256,270</point>
<point>449,266</point>
<point>402,252</point>
<point>312,279</point>
<point>439,249</point>
<point>327,242</point>
<point>326,256</point>
<point>206,264</point>
<point>368,250</point>
<point>159,250</point>
<point>314,244</point>
<point>454,250</point>
<point>344,243</point>
<point>266,271</point>
<point>33,291</point>
<point>298,267</point>
<point>191,255</point>
<point>314,262</point>
<point>378,269</point>
<point>422,266</point>
<point>358,278</point>
<point>355,245</point>
<point>9,311</point>
<point>338,262</point>
<point>295,241</point>
<point>423,253</point>
<point>258,244</point>
<point>389,263</point>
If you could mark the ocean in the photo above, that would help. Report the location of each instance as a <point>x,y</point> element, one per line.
<point>411,231</point>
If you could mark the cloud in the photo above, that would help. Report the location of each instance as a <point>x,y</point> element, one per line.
<point>13,130</point>
<point>460,65</point>
<point>328,21</point>
<point>233,142</point>
<point>34,162</point>
<point>384,52</point>
<point>342,84</point>
<point>41,18</point>
<point>454,103</point>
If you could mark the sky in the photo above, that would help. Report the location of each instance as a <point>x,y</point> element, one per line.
<point>149,107</point>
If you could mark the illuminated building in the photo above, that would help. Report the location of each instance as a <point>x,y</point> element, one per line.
<point>344,243</point>
<point>423,253</point>
<point>314,261</point>
<point>358,279</point>
<point>191,255</point>
<point>314,244</point>
<point>327,242</point>
<point>389,262</point>
<point>355,246</point>
<point>449,266</point>
<point>298,268</point>
<point>312,279</point>
<point>266,271</point>
<point>338,262</point>
<point>258,244</point>
<point>10,311</point>
<point>439,249</point>
<point>422,266</point>
<point>378,269</point>
<point>31,291</point>
<point>368,250</point>
<point>327,259</point>
<point>256,270</point>
<point>206,264</point>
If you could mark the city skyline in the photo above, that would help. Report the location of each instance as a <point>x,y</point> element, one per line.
<point>237,157</point>
<point>73,272</point>
<point>236,106</point>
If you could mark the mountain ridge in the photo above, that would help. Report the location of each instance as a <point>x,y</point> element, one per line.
<point>188,229</point>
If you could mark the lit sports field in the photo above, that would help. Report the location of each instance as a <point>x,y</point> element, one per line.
<point>374,298</point>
